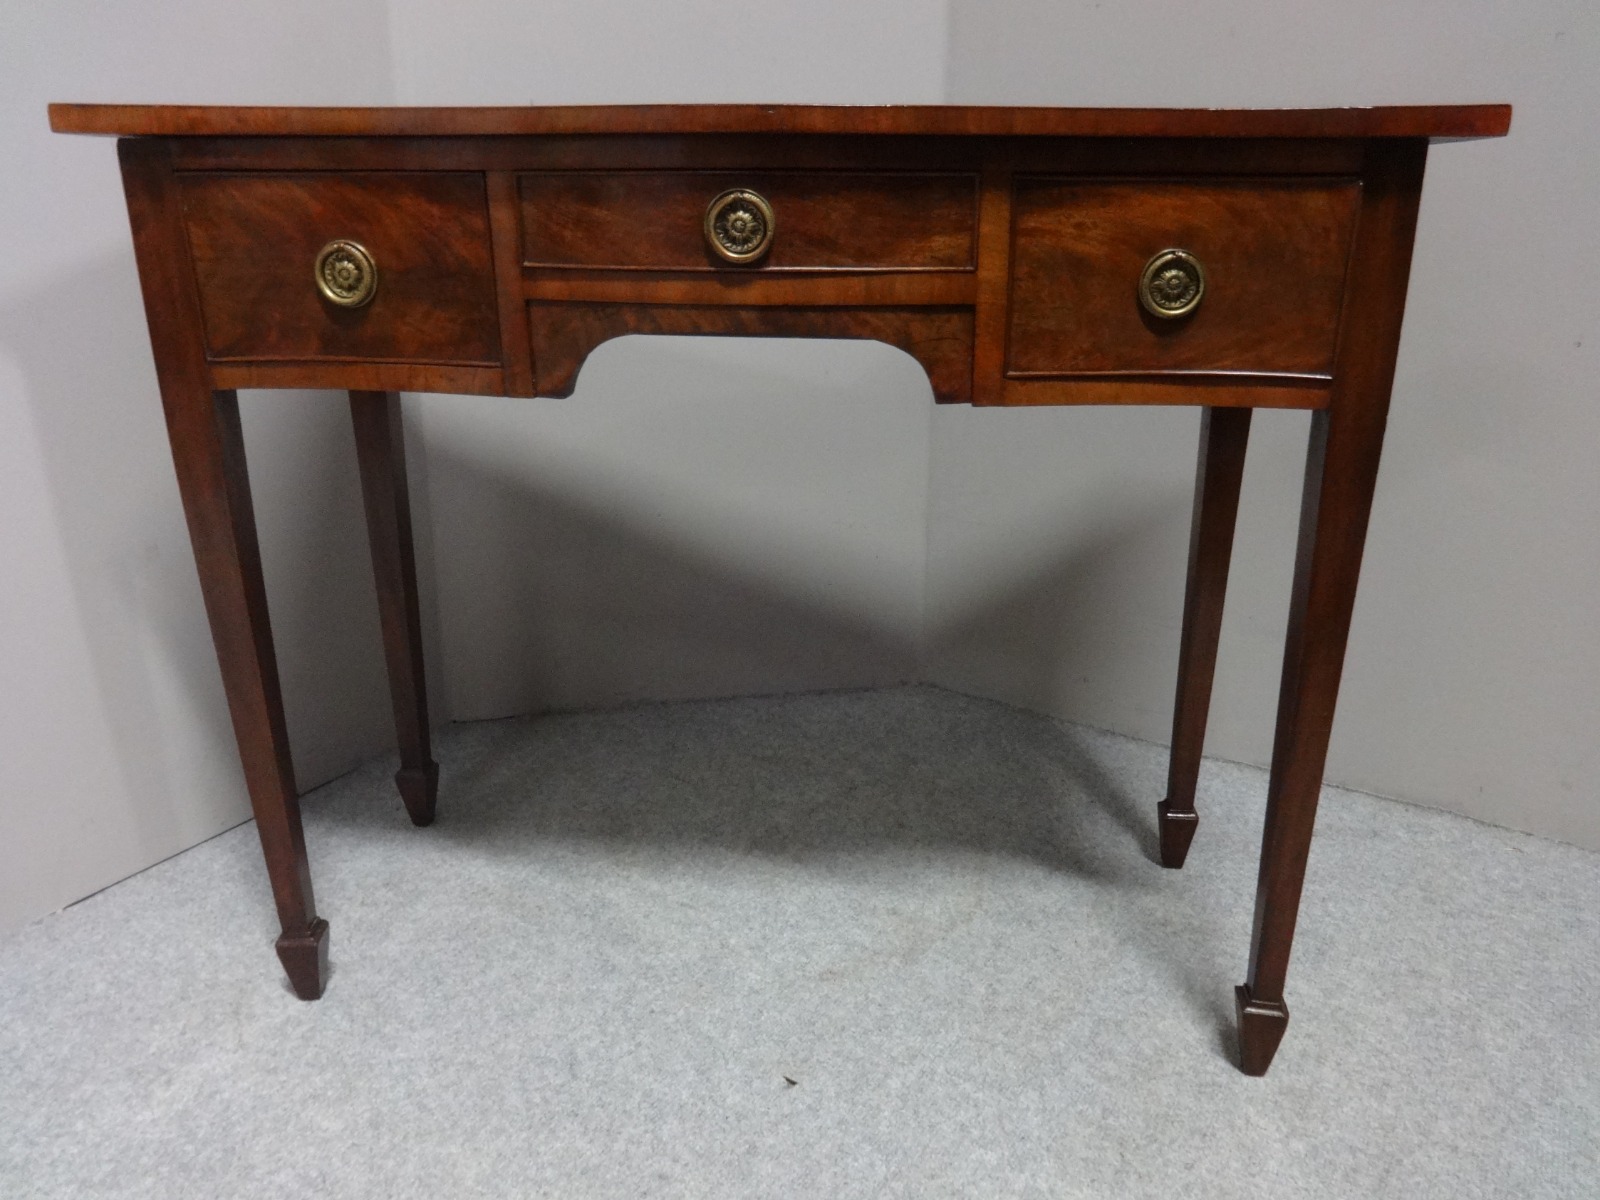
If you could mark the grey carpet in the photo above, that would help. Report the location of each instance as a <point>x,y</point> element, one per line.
<point>939,916</point>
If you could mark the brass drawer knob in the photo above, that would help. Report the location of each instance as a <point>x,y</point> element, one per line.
<point>739,225</point>
<point>346,274</point>
<point>1172,285</point>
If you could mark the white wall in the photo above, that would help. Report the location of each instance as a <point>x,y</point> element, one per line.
<point>702,517</point>
<point>1056,538</point>
<point>115,745</point>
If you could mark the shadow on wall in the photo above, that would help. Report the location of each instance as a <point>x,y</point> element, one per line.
<point>84,351</point>
<point>589,609</point>
<point>1049,636</point>
<point>704,517</point>
<point>571,572</point>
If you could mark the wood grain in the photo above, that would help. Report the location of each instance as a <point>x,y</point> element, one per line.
<point>993,311</point>
<point>939,339</point>
<point>1224,433</point>
<point>1341,473</point>
<point>891,289</point>
<point>381,456</point>
<point>1275,252</point>
<point>1212,390</point>
<point>774,152</point>
<point>505,226</point>
<point>255,237</point>
<point>1410,121</point>
<point>362,376</point>
<point>823,219</point>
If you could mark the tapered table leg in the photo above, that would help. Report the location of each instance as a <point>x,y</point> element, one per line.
<point>208,453</point>
<point>1341,474</point>
<point>216,492</point>
<point>380,449</point>
<point>1333,520</point>
<point>1224,433</point>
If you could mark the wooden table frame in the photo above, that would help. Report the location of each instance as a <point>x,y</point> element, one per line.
<point>977,324</point>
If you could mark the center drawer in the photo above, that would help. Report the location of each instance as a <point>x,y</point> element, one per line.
<point>821,220</point>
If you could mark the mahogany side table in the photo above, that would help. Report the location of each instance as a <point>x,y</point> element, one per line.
<point>1230,260</point>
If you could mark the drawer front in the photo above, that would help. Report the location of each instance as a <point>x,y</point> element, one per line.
<point>1273,254</point>
<point>255,239</point>
<point>893,221</point>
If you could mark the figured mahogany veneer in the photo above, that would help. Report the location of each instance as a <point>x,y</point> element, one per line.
<point>253,239</point>
<point>1274,251</point>
<point>940,339</point>
<point>825,220</point>
<point>942,120</point>
<point>1000,247</point>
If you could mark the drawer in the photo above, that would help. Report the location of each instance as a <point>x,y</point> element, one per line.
<point>255,240</point>
<point>1272,253</point>
<point>822,220</point>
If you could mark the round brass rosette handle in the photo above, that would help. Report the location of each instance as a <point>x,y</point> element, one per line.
<point>740,225</point>
<point>346,274</point>
<point>1172,285</point>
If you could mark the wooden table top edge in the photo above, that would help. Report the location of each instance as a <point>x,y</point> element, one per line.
<point>1454,121</point>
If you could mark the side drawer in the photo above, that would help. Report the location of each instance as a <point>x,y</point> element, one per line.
<point>255,240</point>
<point>822,220</point>
<point>1273,252</point>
